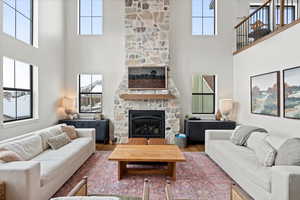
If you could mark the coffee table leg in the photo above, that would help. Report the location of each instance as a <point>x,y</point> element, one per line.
<point>121,169</point>
<point>172,170</point>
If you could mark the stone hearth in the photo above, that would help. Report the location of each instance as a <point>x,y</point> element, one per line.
<point>147,44</point>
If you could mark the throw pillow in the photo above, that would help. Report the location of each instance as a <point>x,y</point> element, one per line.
<point>265,153</point>
<point>70,131</point>
<point>58,141</point>
<point>45,135</point>
<point>254,139</point>
<point>27,147</point>
<point>242,133</point>
<point>9,156</point>
<point>289,153</point>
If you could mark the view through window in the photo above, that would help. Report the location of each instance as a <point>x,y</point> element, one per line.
<point>90,93</point>
<point>18,19</point>
<point>17,90</point>
<point>203,17</point>
<point>91,17</point>
<point>203,94</point>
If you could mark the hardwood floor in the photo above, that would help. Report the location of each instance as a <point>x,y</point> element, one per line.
<point>190,148</point>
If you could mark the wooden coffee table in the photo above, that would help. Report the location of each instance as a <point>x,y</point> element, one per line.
<point>144,154</point>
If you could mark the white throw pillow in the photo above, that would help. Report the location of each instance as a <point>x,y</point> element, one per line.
<point>59,141</point>
<point>276,141</point>
<point>27,148</point>
<point>265,153</point>
<point>47,133</point>
<point>254,139</point>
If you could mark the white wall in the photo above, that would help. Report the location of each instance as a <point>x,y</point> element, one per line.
<point>189,54</point>
<point>202,54</point>
<point>48,57</point>
<point>277,53</point>
<point>96,54</point>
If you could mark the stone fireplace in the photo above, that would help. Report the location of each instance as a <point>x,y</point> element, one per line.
<point>147,24</point>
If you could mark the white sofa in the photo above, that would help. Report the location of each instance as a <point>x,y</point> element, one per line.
<point>44,170</point>
<point>240,163</point>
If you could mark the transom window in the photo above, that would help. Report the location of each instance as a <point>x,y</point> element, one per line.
<point>203,17</point>
<point>91,17</point>
<point>18,19</point>
<point>17,90</point>
<point>203,94</point>
<point>90,93</point>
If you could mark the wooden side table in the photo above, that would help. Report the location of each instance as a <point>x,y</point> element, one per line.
<point>238,193</point>
<point>2,190</point>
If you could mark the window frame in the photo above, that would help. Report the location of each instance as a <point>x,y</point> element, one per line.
<point>14,89</point>
<point>277,12</point>
<point>91,18</point>
<point>202,17</point>
<point>207,94</point>
<point>15,19</point>
<point>88,93</point>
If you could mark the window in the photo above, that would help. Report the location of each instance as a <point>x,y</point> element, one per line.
<point>289,12</point>
<point>264,14</point>
<point>17,19</point>
<point>91,17</point>
<point>203,17</point>
<point>203,96</point>
<point>90,93</point>
<point>17,90</point>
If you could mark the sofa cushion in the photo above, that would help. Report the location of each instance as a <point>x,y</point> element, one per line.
<point>45,134</point>
<point>276,141</point>
<point>289,153</point>
<point>53,162</point>
<point>241,134</point>
<point>27,148</point>
<point>243,163</point>
<point>58,141</point>
<point>254,139</point>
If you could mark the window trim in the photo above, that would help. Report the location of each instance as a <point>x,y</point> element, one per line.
<point>15,19</point>
<point>206,94</point>
<point>88,93</point>
<point>22,90</point>
<point>214,17</point>
<point>92,16</point>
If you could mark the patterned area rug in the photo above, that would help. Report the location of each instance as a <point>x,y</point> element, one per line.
<point>199,178</point>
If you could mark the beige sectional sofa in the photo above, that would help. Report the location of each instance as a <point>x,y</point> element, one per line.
<point>45,170</point>
<point>241,164</point>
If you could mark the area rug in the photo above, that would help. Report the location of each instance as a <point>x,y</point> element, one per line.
<point>199,178</point>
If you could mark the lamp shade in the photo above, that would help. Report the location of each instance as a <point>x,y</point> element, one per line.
<point>68,104</point>
<point>226,105</point>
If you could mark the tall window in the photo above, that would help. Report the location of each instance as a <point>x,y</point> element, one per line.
<point>17,19</point>
<point>203,96</point>
<point>203,17</point>
<point>91,17</point>
<point>17,88</point>
<point>90,93</point>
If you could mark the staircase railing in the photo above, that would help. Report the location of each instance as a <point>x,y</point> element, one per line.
<point>269,17</point>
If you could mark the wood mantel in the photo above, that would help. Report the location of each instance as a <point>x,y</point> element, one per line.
<point>139,97</point>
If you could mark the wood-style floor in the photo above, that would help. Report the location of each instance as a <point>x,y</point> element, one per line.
<point>190,148</point>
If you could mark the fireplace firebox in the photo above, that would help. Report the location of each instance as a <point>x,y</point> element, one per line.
<point>146,124</point>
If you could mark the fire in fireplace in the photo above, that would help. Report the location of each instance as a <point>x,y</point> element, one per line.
<point>146,124</point>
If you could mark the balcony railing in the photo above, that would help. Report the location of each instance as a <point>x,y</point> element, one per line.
<point>267,18</point>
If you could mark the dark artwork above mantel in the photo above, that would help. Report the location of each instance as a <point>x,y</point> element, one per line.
<point>147,78</point>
